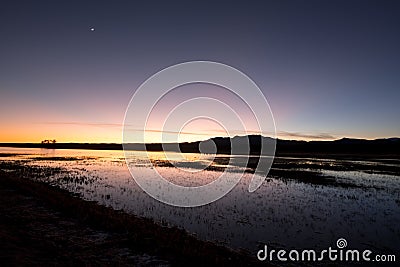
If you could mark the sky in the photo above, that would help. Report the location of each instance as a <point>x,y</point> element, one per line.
<point>68,69</point>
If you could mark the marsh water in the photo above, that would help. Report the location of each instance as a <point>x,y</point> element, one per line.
<point>304,202</point>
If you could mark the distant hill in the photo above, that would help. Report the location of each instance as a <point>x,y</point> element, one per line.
<point>389,147</point>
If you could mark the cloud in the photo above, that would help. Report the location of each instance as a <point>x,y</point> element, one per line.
<point>306,135</point>
<point>84,124</point>
<point>208,132</point>
<point>129,127</point>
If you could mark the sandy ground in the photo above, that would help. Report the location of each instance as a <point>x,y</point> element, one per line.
<point>32,233</point>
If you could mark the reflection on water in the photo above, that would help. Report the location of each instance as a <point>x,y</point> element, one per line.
<point>361,202</point>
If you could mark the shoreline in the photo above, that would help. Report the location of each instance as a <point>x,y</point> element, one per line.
<point>347,152</point>
<point>162,245</point>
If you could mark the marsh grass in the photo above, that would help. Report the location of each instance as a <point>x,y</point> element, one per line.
<point>139,234</point>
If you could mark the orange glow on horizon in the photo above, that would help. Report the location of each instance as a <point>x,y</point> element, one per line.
<point>35,133</point>
<point>99,133</point>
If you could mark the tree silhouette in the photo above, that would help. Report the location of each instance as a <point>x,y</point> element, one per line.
<point>47,142</point>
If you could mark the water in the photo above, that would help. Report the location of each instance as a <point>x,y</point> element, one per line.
<point>362,205</point>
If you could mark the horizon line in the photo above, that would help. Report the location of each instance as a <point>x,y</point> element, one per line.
<point>151,143</point>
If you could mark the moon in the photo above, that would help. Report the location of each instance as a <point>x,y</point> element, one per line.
<point>92,29</point>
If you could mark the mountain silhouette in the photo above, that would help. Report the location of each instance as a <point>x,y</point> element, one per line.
<point>251,144</point>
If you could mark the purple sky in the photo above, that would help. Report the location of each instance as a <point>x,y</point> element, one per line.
<point>328,68</point>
